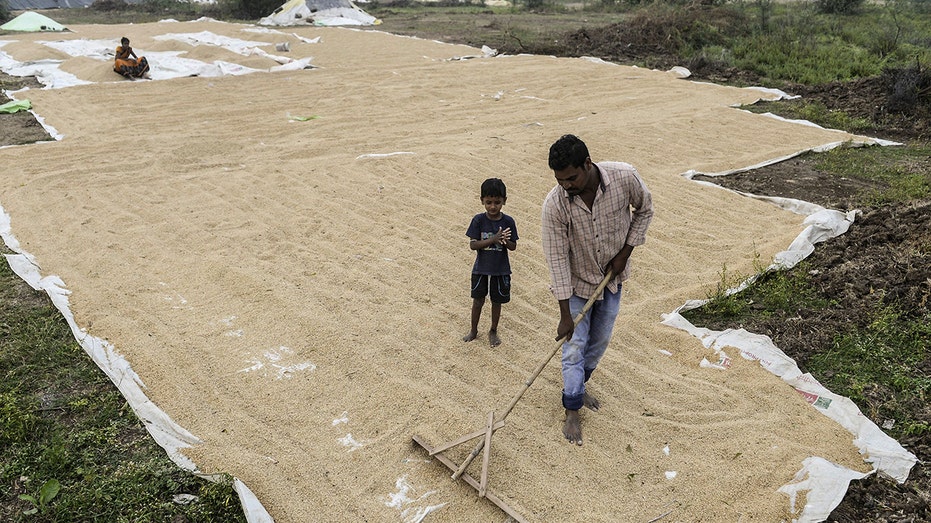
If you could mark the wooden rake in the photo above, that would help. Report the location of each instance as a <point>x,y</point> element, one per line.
<point>492,424</point>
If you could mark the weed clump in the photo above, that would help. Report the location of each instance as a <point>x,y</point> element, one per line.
<point>839,7</point>
<point>909,90</point>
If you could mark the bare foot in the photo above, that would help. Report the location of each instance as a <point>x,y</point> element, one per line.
<point>572,429</point>
<point>470,336</point>
<point>493,338</point>
<point>590,401</point>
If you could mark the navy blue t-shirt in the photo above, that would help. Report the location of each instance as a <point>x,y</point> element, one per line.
<point>492,260</point>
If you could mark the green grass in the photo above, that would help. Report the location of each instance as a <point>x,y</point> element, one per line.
<point>73,449</point>
<point>879,368</point>
<point>771,291</point>
<point>815,112</point>
<point>904,172</point>
<point>798,44</point>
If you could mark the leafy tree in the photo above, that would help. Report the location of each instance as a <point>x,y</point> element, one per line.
<point>251,9</point>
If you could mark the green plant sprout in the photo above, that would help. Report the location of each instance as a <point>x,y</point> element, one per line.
<point>46,494</point>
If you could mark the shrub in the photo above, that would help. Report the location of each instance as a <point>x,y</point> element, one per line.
<point>839,7</point>
<point>909,89</point>
<point>250,9</point>
<point>17,419</point>
<point>109,6</point>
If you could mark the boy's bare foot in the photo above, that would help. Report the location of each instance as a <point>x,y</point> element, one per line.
<point>493,338</point>
<point>590,401</point>
<point>470,336</point>
<point>572,429</point>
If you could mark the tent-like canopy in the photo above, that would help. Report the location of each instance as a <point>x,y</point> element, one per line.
<point>32,22</point>
<point>319,12</point>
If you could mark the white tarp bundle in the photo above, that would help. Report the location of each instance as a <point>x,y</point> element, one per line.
<point>319,12</point>
<point>32,22</point>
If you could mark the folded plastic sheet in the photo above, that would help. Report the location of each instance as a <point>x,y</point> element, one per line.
<point>15,106</point>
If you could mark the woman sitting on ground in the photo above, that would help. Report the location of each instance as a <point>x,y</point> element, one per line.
<point>127,63</point>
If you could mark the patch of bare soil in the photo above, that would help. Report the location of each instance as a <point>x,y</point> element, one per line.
<point>799,179</point>
<point>885,259</point>
<point>21,127</point>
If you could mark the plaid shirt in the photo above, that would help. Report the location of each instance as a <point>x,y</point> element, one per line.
<point>579,242</point>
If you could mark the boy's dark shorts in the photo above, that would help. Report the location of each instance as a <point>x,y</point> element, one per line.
<point>499,287</point>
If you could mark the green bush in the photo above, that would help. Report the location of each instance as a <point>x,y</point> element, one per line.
<point>920,6</point>
<point>909,89</point>
<point>110,6</point>
<point>839,7</point>
<point>17,419</point>
<point>249,9</point>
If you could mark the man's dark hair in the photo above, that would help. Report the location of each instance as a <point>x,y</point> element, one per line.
<point>494,187</point>
<point>568,151</point>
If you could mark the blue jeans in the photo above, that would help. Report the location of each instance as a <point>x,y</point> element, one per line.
<point>581,354</point>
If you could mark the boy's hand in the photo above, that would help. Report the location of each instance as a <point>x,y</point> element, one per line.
<point>504,235</point>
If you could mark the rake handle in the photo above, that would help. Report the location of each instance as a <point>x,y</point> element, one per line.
<point>588,305</point>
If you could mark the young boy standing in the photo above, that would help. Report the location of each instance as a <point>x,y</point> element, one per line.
<point>491,234</point>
